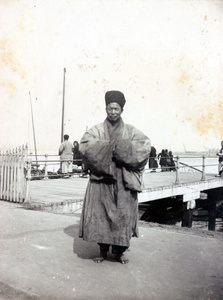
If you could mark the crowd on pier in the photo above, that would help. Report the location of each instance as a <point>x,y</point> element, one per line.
<point>69,152</point>
<point>164,159</point>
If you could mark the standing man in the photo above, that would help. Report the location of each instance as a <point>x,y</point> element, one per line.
<point>220,160</point>
<point>115,153</point>
<point>66,155</point>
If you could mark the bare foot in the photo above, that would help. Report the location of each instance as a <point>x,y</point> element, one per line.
<point>121,258</point>
<point>99,259</point>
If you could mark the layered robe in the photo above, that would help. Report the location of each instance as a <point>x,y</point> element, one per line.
<point>116,155</point>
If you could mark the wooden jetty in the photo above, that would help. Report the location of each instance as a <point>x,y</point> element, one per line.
<point>189,187</point>
<point>53,193</point>
<point>163,185</point>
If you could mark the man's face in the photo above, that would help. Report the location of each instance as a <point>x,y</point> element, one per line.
<point>114,111</point>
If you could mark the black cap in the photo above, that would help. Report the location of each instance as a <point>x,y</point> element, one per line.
<point>115,96</point>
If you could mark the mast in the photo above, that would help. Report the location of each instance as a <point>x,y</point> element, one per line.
<point>34,137</point>
<point>63,104</point>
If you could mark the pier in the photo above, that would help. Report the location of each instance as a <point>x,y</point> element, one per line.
<point>32,184</point>
<point>190,187</point>
<point>66,195</point>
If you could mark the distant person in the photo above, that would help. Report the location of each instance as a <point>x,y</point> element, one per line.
<point>171,164</point>
<point>159,156</point>
<point>116,154</point>
<point>153,159</point>
<point>167,160</point>
<point>163,160</point>
<point>220,160</point>
<point>77,158</point>
<point>66,155</point>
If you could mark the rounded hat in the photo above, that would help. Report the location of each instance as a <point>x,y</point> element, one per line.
<point>115,96</point>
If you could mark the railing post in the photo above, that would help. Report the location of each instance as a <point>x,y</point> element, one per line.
<point>203,169</point>
<point>20,176</point>
<point>11,175</point>
<point>7,174</point>
<point>177,171</point>
<point>1,175</point>
<point>46,166</point>
<point>28,179</point>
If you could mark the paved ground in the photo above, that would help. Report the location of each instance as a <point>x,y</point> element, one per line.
<point>43,258</point>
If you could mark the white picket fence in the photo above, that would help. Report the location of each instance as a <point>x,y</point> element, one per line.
<point>15,175</point>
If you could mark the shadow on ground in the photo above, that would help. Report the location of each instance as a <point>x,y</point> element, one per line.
<point>83,249</point>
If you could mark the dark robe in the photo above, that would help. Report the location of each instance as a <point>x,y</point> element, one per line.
<point>116,156</point>
<point>77,158</point>
<point>152,158</point>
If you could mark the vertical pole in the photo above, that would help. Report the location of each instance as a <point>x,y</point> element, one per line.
<point>20,175</point>
<point>46,173</point>
<point>33,131</point>
<point>17,174</point>
<point>7,183</point>
<point>2,168</point>
<point>213,196</point>
<point>11,177</point>
<point>187,217</point>
<point>203,169</point>
<point>63,105</point>
<point>28,179</point>
<point>177,171</point>
<point>5,177</point>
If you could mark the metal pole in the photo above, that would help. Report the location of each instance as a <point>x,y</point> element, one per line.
<point>34,137</point>
<point>203,169</point>
<point>63,104</point>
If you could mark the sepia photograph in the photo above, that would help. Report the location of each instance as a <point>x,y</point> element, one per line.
<point>111,149</point>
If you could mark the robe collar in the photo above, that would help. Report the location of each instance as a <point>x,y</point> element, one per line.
<point>113,129</point>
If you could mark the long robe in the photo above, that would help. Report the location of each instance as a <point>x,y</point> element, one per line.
<point>116,156</point>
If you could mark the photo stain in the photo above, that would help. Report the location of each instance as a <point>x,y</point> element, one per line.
<point>9,86</point>
<point>10,60</point>
<point>183,77</point>
<point>209,121</point>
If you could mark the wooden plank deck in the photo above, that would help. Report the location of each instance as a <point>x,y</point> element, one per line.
<point>155,186</point>
<point>163,184</point>
<point>57,190</point>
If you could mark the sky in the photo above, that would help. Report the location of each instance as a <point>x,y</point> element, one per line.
<point>166,57</point>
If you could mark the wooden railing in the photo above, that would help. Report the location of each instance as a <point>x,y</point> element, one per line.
<point>17,168</point>
<point>15,175</point>
<point>49,167</point>
<point>180,167</point>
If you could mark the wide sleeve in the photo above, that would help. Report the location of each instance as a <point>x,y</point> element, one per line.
<point>97,154</point>
<point>133,152</point>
